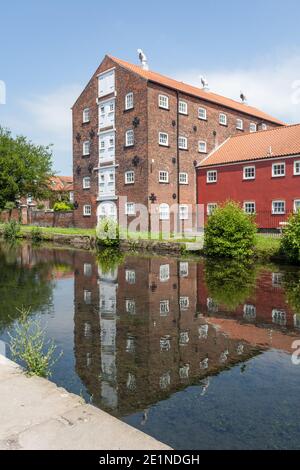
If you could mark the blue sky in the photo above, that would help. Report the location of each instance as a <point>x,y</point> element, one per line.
<point>49,50</point>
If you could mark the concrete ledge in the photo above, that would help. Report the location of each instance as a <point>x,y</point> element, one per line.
<point>36,414</point>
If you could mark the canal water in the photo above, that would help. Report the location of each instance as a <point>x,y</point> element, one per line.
<point>197,354</point>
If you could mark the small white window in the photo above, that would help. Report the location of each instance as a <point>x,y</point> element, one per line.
<point>278,207</point>
<point>277,279</point>
<point>182,143</point>
<point>279,317</point>
<point>86,115</point>
<point>183,269</point>
<point>130,307</point>
<point>212,176</point>
<point>183,178</point>
<point>87,269</point>
<point>182,107</point>
<point>164,272</point>
<point>297,168</point>
<point>129,138</point>
<point>164,308</point>
<point>130,276</point>
<point>202,114</point>
<point>87,210</point>
<point>163,176</point>
<point>86,182</point>
<point>129,177</point>
<point>87,296</point>
<point>164,212</point>
<point>129,101</point>
<point>249,207</point>
<point>253,127</point>
<point>264,127</point>
<point>184,303</point>
<point>296,205</point>
<point>239,124</point>
<point>183,212</point>
<point>130,208</point>
<point>202,146</point>
<point>111,143</point>
<point>249,312</point>
<point>163,139</point>
<point>86,148</point>
<point>211,206</point>
<point>163,101</point>
<point>278,169</point>
<point>249,172</point>
<point>223,119</point>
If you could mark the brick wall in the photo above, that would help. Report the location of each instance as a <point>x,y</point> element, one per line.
<point>51,219</point>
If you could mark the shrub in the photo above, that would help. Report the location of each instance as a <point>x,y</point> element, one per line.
<point>11,230</point>
<point>62,207</point>
<point>29,346</point>
<point>290,242</point>
<point>108,232</point>
<point>109,259</point>
<point>40,207</point>
<point>36,234</point>
<point>230,233</point>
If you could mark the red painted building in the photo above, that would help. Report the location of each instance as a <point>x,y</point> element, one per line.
<point>260,170</point>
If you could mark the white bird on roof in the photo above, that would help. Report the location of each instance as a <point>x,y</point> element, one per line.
<point>143,59</point>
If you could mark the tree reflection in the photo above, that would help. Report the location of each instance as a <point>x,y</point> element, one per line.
<point>109,259</point>
<point>291,280</point>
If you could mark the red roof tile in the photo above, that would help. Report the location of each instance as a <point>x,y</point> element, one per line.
<point>61,183</point>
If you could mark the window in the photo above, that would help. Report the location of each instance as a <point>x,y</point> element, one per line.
<point>165,343</point>
<point>130,208</point>
<point>296,205</point>
<point>130,276</point>
<point>87,269</point>
<point>163,177</point>
<point>86,148</point>
<point>164,272</point>
<point>129,101</point>
<point>249,312</point>
<point>183,212</point>
<point>163,101</point>
<point>87,210</point>
<point>278,207</point>
<point>183,178</point>
<point>182,107</point>
<point>202,114</point>
<point>164,308</point>
<point>279,317</point>
<point>87,296</point>
<point>184,303</point>
<point>107,146</point>
<point>277,279</point>
<point>223,119</point>
<point>182,143</point>
<point>107,181</point>
<point>249,172</point>
<point>264,127</point>
<point>107,114</point>
<point>129,177</point>
<point>86,115</point>
<point>202,146</point>
<point>211,206</point>
<point>297,168</point>
<point>164,212</point>
<point>86,182</point>
<point>253,127</point>
<point>163,139</point>
<point>249,207</point>
<point>211,176</point>
<point>106,83</point>
<point>129,138</point>
<point>239,124</point>
<point>183,269</point>
<point>278,169</point>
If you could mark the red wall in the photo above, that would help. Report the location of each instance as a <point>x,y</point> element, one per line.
<point>263,190</point>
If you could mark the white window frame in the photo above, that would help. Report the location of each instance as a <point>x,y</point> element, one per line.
<point>183,107</point>
<point>86,148</point>
<point>86,115</point>
<point>264,127</point>
<point>183,269</point>
<point>211,206</point>
<point>163,101</point>
<point>221,121</point>
<point>240,124</point>
<point>295,205</point>
<point>165,178</point>
<point>130,208</point>
<point>129,101</point>
<point>130,276</point>
<point>202,114</point>
<point>186,180</point>
<point>86,182</point>
<point>163,139</point>
<point>87,210</point>
<point>183,212</point>
<point>104,76</point>
<point>204,144</point>
<point>277,164</point>
<point>184,303</point>
<point>164,211</point>
<point>182,142</point>
<point>209,173</point>
<point>164,308</point>
<point>273,206</point>
<point>129,138</point>
<point>164,272</point>
<point>296,173</point>
<point>247,178</point>
<point>253,127</point>
<point>248,203</point>
<point>129,177</point>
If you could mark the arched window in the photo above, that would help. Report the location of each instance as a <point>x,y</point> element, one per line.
<point>164,212</point>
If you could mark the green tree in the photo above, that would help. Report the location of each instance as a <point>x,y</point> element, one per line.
<point>290,242</point>
<point>25,168</point>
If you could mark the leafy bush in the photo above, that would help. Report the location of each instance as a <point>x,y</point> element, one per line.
<point>11,230</point>
<point>230,233</point>
<point>62,207</point>
<point>36,234</point>
<point>40,207</point>
<point>9,206</point>
<point>290,242</point>
<point>108,232</point>
<point>29,346</point>
<point>109,259</point>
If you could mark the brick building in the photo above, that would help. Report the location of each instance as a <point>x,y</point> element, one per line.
<point>260,171</point>
<point>139,134</point>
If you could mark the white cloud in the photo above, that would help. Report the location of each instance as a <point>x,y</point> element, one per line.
<point>273,86</point>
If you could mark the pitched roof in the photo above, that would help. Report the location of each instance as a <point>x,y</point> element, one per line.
<point>194,91</point>
<point>277,142</point>
<point>61,183</point>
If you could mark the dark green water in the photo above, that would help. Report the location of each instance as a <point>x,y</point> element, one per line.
<point>195,354</point>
